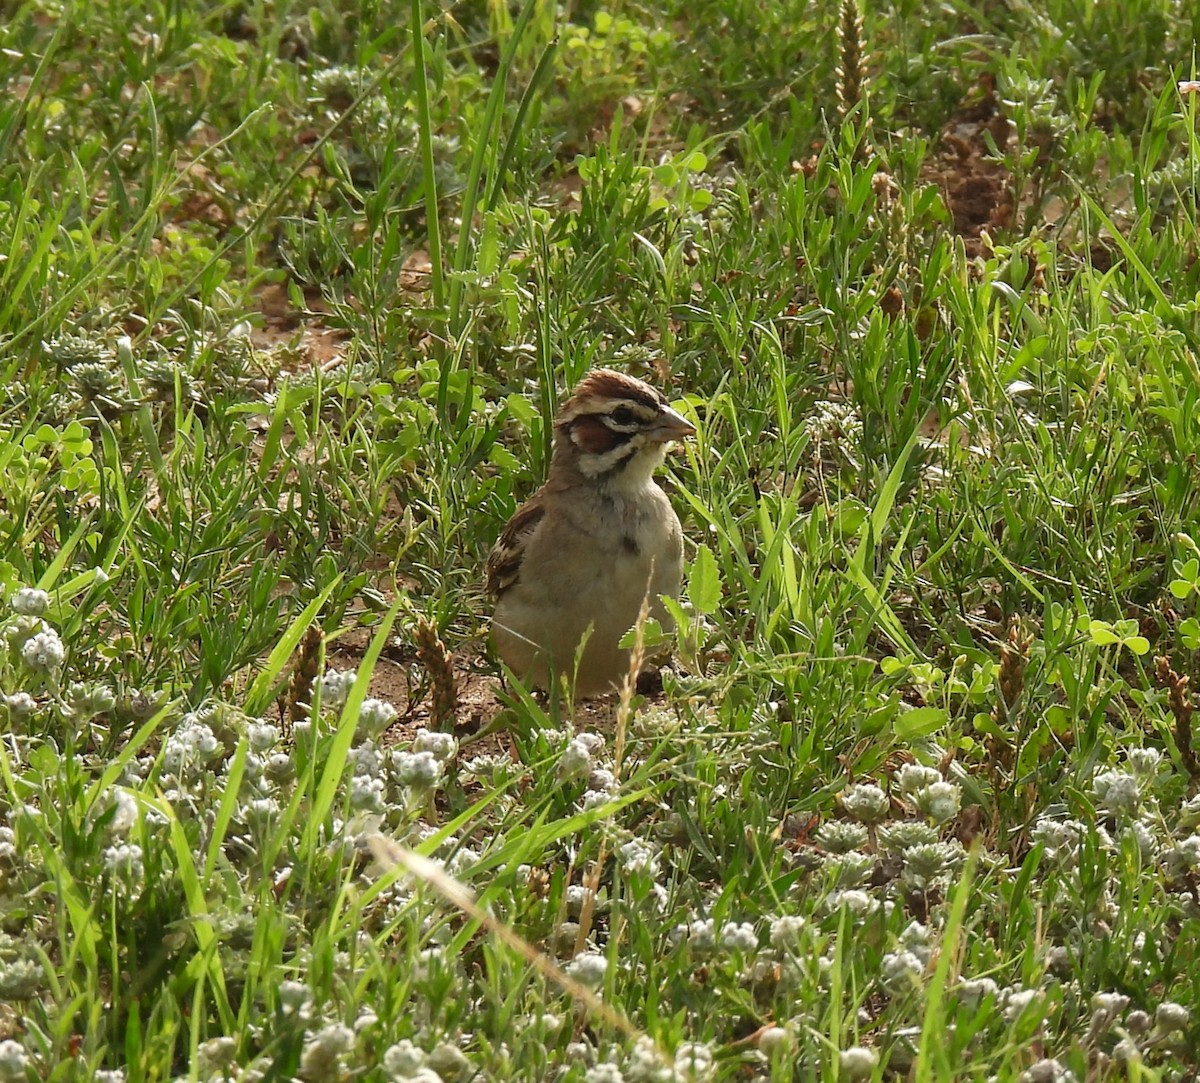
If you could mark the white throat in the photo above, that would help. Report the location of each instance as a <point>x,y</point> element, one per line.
<point>637,473</point>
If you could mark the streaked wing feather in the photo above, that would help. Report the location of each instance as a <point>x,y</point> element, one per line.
<point>504,561</point>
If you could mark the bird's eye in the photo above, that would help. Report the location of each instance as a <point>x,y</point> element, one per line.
<point>622,415</point>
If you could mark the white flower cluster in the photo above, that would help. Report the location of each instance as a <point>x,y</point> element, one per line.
<point>933,797</point>
<point>904,969</point>
<point>191,748</point>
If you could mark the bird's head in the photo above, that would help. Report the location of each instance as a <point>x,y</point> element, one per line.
<point>615,429</point>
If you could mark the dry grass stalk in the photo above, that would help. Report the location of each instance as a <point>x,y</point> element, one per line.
<point>390,854</point>
<point>624,714</point>
<point>439,664</point>
<point>306,667</point>
<point>1179,700</point>
<point>851,75</point>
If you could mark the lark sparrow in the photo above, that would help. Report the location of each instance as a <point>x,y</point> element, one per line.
<point>594,542</point>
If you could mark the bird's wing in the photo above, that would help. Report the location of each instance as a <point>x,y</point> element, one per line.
<point>504,561</point>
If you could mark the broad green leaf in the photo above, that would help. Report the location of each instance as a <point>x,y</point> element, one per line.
<point>919,722</point>
<point>652,635</point>
<point>704,583</point>
<point>1102,634</point>
<point>1181,588</point>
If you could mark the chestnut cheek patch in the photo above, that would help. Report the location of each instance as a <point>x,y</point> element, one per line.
<point>594,437</point>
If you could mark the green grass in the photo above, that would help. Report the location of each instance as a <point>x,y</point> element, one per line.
<point>919,800</point>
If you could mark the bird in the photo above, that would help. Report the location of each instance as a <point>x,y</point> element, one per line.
<point>595,542</point>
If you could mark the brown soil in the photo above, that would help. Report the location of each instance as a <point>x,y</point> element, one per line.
<point>313,343</point>
<point>977,192</point>
<point>398,680</point>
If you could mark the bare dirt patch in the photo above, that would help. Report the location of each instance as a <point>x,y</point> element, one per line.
<point>304,335</point>
<point>398,679</point>
<point>978,192</point>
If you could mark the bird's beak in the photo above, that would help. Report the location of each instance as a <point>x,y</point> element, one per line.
<point>671,426</point>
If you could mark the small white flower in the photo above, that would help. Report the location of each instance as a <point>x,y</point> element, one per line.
<point>366,759</point>
<point>1147,844</point>
<point>580,1053</point>
<point>417,770</point>
<point>294,998</point>
<point>604,1073</point>
<point>279,767</point>
<point>126,815</point>
<point>1060,839</point>
<point>1017,1001</point>
<point>86,701</point>
<point>30,602</point>
<point>1126,1052</point>
<point>917,939</point>
<point>1144,761</point>
<point>592,742</point>
<point>462,863</point>
<point>322,1055</point>
<point>701,935</point>
<point>974,991</point>
<point>192,745</point>
<point>694,1061</point>
<point>366,794</point>
<point>1138,1022</point>
<point>443,746</point>
<point>20,704</point>
<point>865,802</point>
<point>637,857</point>
<point>374,716</point>
<point>402,1059</point>
<point>124,861</point>
<point>14,1061</point>
<point>20,979</point>
<point>787,932</point>
<point>594,799</point>
<point>902,971</point>
<point>940,801</point>
<point>646,1064</point>
<point>335,686</point>
<point>588,968</point>
<point>859,903</point>
<point>1116,791</point>
<point>215,1054</point>
<point>566,936</point>
<point>739,937</point>
<point>1047,1071</point>
<point>420,1075</point>
<point>916,776</point>
<point>1106,1007</point>
<point>604,780</point>
<point>44,651</point>
<point>262,736</point>
<point>772,1040</point>
<point>1170,1016</point>
<point>575,761</point>
<point>857,1062</point>
<point>449,1061</point>
<point>577,897</point>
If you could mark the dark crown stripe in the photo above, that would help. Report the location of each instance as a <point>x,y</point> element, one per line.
<point>607,384</point>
